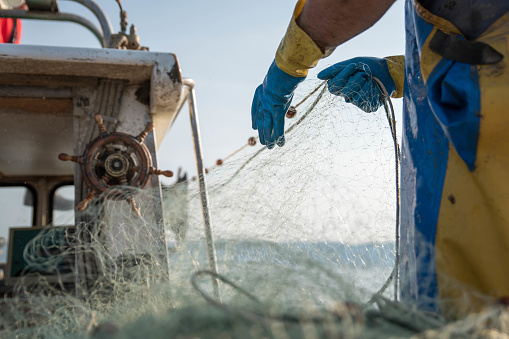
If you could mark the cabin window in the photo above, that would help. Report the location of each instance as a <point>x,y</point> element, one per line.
<point>17,210</point>
<point>63,206</point>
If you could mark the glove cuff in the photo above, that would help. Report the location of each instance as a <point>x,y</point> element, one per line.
<point>396,66</point>
<point>297,52</point>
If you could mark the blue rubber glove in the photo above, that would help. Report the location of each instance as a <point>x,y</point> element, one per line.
<point>353,80</point>
<point>271,101</point>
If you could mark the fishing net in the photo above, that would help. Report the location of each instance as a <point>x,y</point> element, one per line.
<point>304,242</point>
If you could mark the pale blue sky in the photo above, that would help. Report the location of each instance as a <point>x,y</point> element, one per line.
<point>226,46</point>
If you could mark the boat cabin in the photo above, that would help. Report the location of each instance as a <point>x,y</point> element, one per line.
<point>78,126</point>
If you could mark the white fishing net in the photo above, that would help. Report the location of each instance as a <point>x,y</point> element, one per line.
<point>304,239</point>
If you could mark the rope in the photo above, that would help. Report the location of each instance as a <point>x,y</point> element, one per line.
<point>391,118</point>
<point>353,311</point>
<point>286,132</point>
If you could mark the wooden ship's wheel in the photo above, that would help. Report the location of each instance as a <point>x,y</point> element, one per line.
<point>115,165</point>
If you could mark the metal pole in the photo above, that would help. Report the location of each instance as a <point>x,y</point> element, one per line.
<point>211,251</point>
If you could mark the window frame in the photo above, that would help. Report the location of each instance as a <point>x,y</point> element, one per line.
<point>34,196</point>
<point>52,195</point>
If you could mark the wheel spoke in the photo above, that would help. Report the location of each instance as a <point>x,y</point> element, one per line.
<point>106,179</point>
<point>134,207</point>
<point>84,203</point>
<point>73,158</point>
<point>156,171</point>
<point>141,137</point>
<point>100,123</point>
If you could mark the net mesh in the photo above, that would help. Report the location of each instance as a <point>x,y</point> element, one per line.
<point>304,240</point>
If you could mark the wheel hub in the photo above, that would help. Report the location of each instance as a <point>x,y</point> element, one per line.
<point>116,165</point>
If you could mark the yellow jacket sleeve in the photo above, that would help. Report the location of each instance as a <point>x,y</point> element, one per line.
<point>297,52</point>
<point>396,65</point>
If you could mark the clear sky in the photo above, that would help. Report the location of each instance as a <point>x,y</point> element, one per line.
<point>226,46</point>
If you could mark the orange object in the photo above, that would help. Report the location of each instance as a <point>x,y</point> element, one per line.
<point>10,30</point>
<point>292,111</point>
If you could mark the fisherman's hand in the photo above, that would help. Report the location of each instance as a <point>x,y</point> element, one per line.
<point>271,101</point>
<point>353,80</point>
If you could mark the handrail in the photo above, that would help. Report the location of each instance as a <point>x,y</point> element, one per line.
<point>101,16</point>
<point>104,37</point>
<point>19,14</point>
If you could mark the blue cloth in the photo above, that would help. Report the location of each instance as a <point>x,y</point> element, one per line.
<point>439,112</point>
<point>425,150</point>
<point>270,104</point>
<point>353,80</point>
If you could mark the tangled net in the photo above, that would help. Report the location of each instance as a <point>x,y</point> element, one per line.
<point>305,243</point>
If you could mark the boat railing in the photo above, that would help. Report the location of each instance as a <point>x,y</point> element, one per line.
<point>47,10</point>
